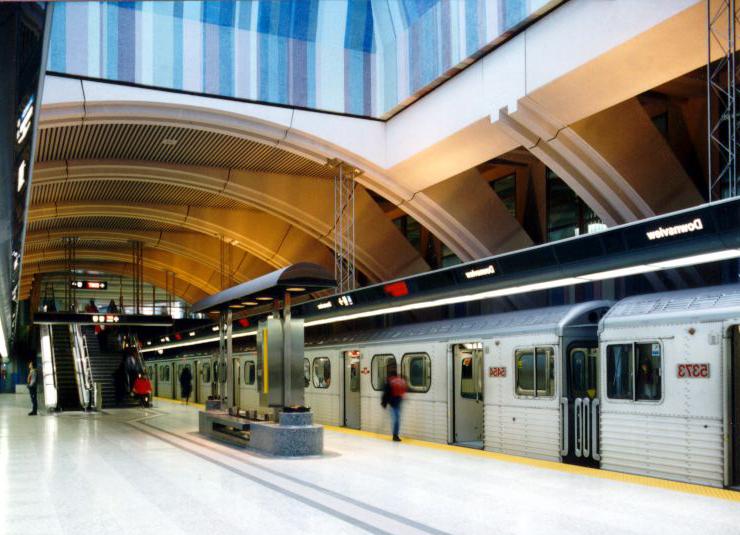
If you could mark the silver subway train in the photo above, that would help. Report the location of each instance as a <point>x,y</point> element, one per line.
<point>646,385</point>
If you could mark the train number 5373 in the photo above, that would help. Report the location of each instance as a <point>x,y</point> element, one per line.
<point>693,371</point>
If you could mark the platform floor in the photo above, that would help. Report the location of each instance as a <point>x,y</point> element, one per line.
<point>148,471</point>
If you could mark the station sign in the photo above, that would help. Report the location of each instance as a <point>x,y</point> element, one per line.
<point>89,285</point>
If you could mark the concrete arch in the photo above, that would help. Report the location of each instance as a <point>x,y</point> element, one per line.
<point>196,247</point>
<point>619,180</point>
<point>262,235</point>
<point>305,203</point>
<point>314,135</point>
<point>183,289</point>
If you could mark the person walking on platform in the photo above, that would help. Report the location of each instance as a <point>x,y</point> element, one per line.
<point>31,381</point>
<point>186,383</point>
<point>393,393</point>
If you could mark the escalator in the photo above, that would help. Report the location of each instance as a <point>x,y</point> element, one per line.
<point>103,364</point>
<point>68,397</point>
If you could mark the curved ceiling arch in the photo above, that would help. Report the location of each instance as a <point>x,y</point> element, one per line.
<point>195,274</point>
<point>183,289</point>
<point>196,247</point>
<point>265,237</point>
<point>303,202</point>
<point>308,138</point>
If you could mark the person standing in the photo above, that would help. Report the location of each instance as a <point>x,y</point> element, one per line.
<point>393,393</point>
<point>186,383</point>
<point>31,381</point>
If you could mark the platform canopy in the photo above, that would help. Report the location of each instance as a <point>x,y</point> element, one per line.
<point>297,279</point>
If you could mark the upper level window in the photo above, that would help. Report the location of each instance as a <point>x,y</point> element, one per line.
<point>535,371</point>
<point>416,368</point>
<point>634,370</point>
<point>505,188</point>
<point>567,214</point>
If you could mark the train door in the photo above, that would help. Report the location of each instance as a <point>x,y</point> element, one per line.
<point>236,382</point>
<point>352,389</point>
<point>735,404</point>
<point>467,394</point>
<point>196,382</point>
<point>580,406</point>
<point>176,381</point>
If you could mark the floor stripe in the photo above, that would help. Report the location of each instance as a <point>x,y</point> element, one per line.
<point>688,488</point>
<point>241,458</point>
<point>646,481</point>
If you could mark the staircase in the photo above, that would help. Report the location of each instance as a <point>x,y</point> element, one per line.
<point>68,397</point>
<point>103,365</point>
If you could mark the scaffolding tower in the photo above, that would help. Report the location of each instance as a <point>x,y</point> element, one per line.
<point>722,124</point>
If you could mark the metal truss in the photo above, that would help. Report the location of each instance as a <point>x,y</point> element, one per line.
<point>137,266</point>
<point>344,225</point>
<point>70,265</point>
<point>722,124</point>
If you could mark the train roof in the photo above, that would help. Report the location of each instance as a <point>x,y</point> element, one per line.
<point>539,320</point>
<point>698,304</point>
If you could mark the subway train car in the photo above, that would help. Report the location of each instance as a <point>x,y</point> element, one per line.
<point>644,386</point>
<point>669,386</point>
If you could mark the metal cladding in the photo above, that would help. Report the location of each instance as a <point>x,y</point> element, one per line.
<point>304,277</point>
<point>706,229</point>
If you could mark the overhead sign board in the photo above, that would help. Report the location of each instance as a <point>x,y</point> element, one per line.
<point>89,285</point>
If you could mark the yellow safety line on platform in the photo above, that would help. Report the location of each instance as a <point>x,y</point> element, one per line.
<point>181,402</point>
<point>689,488</point>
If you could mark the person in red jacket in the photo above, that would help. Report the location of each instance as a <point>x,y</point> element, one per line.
<point>393,393</point>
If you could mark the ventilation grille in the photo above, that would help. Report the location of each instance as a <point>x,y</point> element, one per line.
<point>193,147</point>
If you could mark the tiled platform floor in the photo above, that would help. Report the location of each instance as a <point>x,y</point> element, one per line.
<point>148,472</point>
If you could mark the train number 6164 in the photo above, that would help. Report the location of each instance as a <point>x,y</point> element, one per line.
<point>692,371</point>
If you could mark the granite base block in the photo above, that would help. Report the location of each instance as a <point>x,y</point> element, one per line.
<point>294,436</point>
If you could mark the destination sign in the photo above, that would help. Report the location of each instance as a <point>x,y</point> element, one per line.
<point>89,285</point>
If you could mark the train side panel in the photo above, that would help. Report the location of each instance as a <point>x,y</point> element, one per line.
<point>679,434</point>
<point>520,424</point>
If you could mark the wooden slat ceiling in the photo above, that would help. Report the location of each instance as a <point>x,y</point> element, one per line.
<point>53,244</point>
<point>121,224</point>
<point>193,147</point>
<point>127,191</point>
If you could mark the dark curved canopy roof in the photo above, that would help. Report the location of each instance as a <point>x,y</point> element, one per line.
<point>298,279</point>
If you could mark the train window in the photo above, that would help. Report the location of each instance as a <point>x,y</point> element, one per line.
<point>583,372</point>
<point>206,373</point>
<point>306,373</point>
<point>648,365</point>
<point>535,371</point>
<point>321,372</point>
<point>416,368</point>
<point>380,366</point>
<point>161,373</point>
<point>619,371</point>
<point>249,373</point>
<point>471,386</point>
<point>221,373</point>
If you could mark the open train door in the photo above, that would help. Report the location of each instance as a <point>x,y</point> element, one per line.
<point>580,405</point>
<point>467,394</point>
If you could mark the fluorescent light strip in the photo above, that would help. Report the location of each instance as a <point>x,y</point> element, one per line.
<point>725,254</point>
<point>622,272</point>
<point>197,342</point>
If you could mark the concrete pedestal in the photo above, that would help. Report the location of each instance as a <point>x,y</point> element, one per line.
<point>294,436</point>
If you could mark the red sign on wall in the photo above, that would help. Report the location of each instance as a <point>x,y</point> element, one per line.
<point>693,371</point>
<point>497,371</point>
